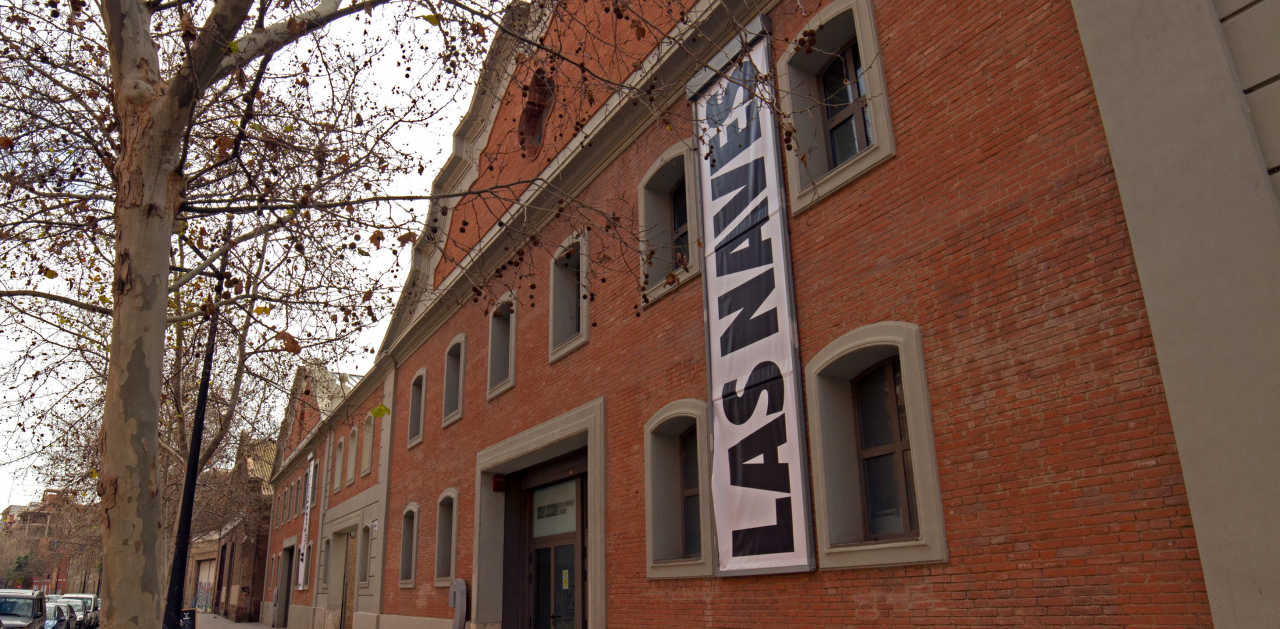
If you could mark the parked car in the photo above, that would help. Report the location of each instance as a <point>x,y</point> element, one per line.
<point>22,609</point>
<point>79,608</point>
<point>59,616</point>
<point>91,603</point>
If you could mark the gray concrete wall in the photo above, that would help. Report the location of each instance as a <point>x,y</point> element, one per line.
<point>1205,228</point>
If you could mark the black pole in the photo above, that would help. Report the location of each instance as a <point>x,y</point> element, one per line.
<point>182,541</point>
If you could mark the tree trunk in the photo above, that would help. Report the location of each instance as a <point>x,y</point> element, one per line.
<point>149,192</point>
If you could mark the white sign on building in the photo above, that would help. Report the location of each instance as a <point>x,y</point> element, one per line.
<point>759,478</point>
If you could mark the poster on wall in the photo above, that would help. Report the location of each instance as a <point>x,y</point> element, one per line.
<point>759,470</point>
<point>306,522</point>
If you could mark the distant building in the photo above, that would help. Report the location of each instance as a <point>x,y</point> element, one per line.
<point>59,556</point>
<point>225,566</point>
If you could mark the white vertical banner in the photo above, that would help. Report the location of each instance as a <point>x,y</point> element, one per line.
<point>759,470</point>
<point>306,521</point>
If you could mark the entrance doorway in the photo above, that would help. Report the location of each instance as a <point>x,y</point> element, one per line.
<point>284,588</point>
<point>544,550</point>
<point>346,618</point>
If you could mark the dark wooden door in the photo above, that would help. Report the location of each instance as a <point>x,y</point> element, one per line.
<point>349,584</point>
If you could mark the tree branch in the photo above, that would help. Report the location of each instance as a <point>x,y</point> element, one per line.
<point>206,54</point>
<point>228,246</point>
<point>58,298</point>
<point>272,38</point>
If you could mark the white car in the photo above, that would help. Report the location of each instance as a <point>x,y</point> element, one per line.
<point>90,617</point>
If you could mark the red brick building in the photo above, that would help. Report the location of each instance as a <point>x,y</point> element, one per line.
<point>1009,268</point>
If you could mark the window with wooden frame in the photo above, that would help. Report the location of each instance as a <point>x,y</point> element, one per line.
<point>844,106</point>
<point>690,501</point>
<point>884,453</point>
<point>876,496</point>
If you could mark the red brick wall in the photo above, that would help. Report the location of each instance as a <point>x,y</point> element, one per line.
<point>997,228</point>
<point>291,526</point>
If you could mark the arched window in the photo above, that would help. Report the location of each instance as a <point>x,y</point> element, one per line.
<point>502,347</point>
<point>416,392</point>
<point>366,447</point>
<point>454,370</point>
<point>677,512</point>
<point>539,94</point>
<point>875,490</point>
<point>669,220</point>
<point>569,303</point>
<point>337,467</point>
<point>408,545</point>
<point>446,539</point>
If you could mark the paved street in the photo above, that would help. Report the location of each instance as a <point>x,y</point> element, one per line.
<point>214,621</point>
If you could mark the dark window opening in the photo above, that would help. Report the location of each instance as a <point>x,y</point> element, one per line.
<point>453,379</point>
<point>538,96</point>
<point>690,517</point>
<point>566,310</point>
<point>884,453</point>
<point>408,532</point>
<point>679,227</point>
<point>415,408</point>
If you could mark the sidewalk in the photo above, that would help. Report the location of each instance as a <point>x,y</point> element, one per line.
<point>214,621</point>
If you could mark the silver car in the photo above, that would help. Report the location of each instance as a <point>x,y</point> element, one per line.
<point>92,604</point>
<point>22,609</point>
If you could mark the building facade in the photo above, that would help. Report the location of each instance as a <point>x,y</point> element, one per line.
<point>823,313</point>
<point>226,564</point>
